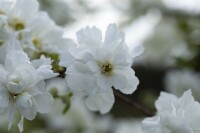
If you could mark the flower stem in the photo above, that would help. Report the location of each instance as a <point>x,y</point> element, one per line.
<point>133,104</point>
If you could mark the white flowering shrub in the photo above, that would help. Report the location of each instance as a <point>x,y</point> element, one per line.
<point>93,66</point>
<point>43,74</point>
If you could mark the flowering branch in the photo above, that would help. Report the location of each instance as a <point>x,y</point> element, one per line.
<point>133,104</point>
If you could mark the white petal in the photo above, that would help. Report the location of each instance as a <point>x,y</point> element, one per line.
<point>5,5</point>
<point>103,56</point>
<point>165,101</point>
<point>28,74</point>
<point>132,81</point>
<point>93,66</point>
<point>13,45</point>
<point>42,27</point>
<point>186,99</point>
<point>102,102</point>
<point>43,102</point>
<point>15,58</point>
<point>42,61</point>
<point>37,89</point>
<point>89,36</point>
<point>111,36</point>
<point>26,106</point>
<point>21,124</point>
<point>46,72</point>
<point>122,57</point>
<point>178,125</point>
<point>11,116</point>
<point>193,117</point>
<point>104,81</point>
<point>54,34</point>
<point>66,59</point>
<point>25,9</point>
<point>4,98</point>
<point>81,67</point>
<point>43,66</point>
<point>136,51</point>
<point>80,82</point>
<point>118,80</point>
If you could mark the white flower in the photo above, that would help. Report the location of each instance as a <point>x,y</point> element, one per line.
<point>98,66</point>
<point>4,6</point>
<point>175,115</point>
<point>34,29</point>
<point>21,13</point>
<point>17,16</point>
<point>5,36</point>
<point>178,81</point>
<point>22,85</point>
<point>46,36</point>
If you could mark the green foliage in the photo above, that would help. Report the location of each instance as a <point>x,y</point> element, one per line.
<point>67,101</point>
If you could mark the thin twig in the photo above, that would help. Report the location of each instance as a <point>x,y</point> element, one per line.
<point>133,104</point>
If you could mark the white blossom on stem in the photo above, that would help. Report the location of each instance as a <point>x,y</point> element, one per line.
<point>174,115</point>
<point>98,66</point>
<point>22,85</point>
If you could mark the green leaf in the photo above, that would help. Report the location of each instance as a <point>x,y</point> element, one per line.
<point>67,101</point>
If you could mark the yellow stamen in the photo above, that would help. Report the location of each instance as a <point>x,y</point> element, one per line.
<point>17,24</point>
<point>107,68</point>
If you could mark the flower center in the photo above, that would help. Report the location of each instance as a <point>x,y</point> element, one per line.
<point>17,24</point>
<point>14,79</point>
<point>107,68</point>
<point>37,43</point>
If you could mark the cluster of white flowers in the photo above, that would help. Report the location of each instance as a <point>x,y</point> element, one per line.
<point>175,115</point>
<point>36,32</point>
<point>90,69</point>
<point>24,30</point>
<point>22,84</point>
<point>94,67</point>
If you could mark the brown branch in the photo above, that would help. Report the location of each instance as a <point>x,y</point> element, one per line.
<point>133,104</point>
